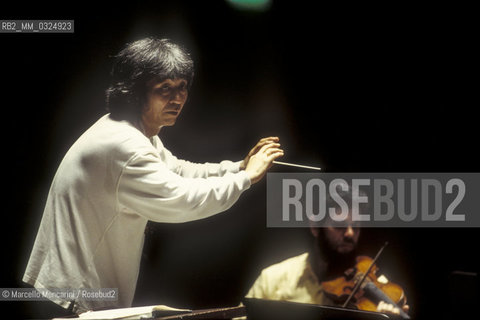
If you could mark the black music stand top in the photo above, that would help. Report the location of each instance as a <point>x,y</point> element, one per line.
<point>260,309</point>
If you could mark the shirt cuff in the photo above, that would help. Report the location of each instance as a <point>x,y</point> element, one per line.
<point>235,168</point>
<point>244,180</point>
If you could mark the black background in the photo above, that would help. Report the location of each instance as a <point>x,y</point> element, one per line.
<point>350,88</point>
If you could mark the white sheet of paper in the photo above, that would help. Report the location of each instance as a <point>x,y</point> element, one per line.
<point>124,313</point>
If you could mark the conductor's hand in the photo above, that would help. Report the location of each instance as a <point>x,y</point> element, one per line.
<point>260,158</point>
<point>260,143</point>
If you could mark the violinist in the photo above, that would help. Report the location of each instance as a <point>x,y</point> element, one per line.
<point>301,278</point>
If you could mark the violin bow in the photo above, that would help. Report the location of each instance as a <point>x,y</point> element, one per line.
<point>359,283</point>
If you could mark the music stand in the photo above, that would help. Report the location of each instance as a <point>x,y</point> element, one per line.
<point>260,309</point>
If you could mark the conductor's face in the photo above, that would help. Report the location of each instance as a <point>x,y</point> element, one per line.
<point>164,102</point>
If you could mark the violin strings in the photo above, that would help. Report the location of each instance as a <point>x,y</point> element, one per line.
<point>359,283</point>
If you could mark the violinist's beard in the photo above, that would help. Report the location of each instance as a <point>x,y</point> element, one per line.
<point>333,255</point>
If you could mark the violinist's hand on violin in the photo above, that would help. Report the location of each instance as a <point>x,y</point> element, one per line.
<point>390,308</point>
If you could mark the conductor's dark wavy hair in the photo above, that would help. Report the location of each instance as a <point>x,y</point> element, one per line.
<point>139,63</point>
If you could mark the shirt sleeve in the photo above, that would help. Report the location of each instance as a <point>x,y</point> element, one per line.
<point>149,188</point>
<point>204,170</point>
<point>189,169</point>
<point>259,289</point>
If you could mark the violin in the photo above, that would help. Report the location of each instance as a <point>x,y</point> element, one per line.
<point>360,288</point>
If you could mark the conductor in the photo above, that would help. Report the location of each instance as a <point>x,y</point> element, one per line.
<point>118,175</point>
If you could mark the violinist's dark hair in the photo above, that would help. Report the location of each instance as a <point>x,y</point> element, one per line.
<point>137,64</point>
<point>344,191</point>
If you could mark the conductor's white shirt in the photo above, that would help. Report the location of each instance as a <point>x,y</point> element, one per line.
<point>109,184</point>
